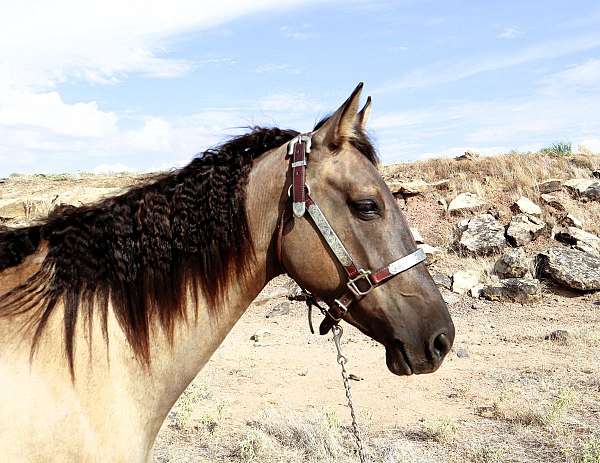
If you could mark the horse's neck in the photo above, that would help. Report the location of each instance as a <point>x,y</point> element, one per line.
<point>113,390</point>
<point>175,366</point>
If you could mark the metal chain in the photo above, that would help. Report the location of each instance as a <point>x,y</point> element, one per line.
<point>342,360</point>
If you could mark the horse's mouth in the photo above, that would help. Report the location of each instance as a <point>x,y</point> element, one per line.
<point>397,360</point>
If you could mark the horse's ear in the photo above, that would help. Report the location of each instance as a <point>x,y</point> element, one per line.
<point>342,124</point>
<point>363,115</point>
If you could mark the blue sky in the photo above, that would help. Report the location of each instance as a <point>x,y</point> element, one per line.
<point>93,86</point>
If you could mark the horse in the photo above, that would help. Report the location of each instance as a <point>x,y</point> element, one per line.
<point>108,311</point>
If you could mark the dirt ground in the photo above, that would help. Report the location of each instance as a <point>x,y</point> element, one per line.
<point>504,393</point>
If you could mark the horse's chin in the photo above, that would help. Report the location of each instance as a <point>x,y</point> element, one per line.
<point>397,361</point>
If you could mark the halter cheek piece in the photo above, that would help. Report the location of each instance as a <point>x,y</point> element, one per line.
<point>360,282</point>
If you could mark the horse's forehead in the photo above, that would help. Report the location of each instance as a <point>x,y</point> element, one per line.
<point>350,167</point>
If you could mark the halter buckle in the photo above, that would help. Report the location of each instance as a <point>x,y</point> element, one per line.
<point>341,306</point>
<point>299,139</point>
<point>362,275</point>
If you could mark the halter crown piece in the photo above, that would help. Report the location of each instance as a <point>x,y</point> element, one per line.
<point>360,282</point>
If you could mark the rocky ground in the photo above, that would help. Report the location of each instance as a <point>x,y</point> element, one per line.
<point>511,241</point>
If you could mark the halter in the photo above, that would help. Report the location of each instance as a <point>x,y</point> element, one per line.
<point>360,281</point>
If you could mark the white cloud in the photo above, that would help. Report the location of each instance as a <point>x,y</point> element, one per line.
<point>524,123</point>
<point>446,71</point>
<point>111,168</point>
<point>47,111</point>
<point>47,44</point>
<point>583,76</point>
<point>103,41</point>
<point>510,33</point>
<point>273,67</point>
<point>298,33</point>
<point>292,102</point>
<point>593,144</point>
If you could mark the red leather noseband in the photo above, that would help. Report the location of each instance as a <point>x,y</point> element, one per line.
<point>360,282</point>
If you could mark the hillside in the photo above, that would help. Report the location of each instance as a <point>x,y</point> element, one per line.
<point>512,242</point>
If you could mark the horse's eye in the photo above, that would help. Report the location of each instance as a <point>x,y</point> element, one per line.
<point>366,209</point>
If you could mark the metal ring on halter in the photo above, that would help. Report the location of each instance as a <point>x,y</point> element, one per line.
<point>291,186</point>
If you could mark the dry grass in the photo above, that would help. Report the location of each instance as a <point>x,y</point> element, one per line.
<point>513,407</point>
<point>500,180</point>
<point>517,173</point>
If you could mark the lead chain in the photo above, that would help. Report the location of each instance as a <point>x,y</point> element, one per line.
<point>341,359</point>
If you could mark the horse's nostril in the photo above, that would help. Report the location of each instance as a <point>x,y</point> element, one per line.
<point>441,345</point>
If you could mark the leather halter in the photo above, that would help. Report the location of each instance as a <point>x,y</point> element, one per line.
<point>360,282</point>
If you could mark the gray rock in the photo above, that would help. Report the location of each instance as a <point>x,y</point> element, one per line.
<point>526,206</point>
<point>524,228</point>
<point>476,291</point>
<point>481,235</point>
<point>449,297</point>
<point>513,290</point>
<point>293,289</point>
<point>464,280</point>
<point>416,235</point>
<point>431,252</point>
<point>408,188</point>
<point>569,220</point>
<point>513,264</point>
<point>260,335</point>
<point>592,192</point>
<point>579,238</point>
<point>442,202</point>
<point>442,280</point>
<point>462,353</point>
<point>270,293</point>
<point>550,185</point>
<point>578,185</point>
<point>596,173</point>
<point>443,184</point>
<point>552,201</point>
<point>465,202</point>
<point>279,310</point>
<point>559,336</point>
<point>571,268</point>
<point>469,155</point>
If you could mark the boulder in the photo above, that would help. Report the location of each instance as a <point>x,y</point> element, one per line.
<point>592,192</point>
<point>569,220</point>
<point>587,242</point>
<point>279,310</point>
<point>443,184</point>
<point>465,202</point>
<point>416,235</point>
<point>431,252</point>
<point>524,228</point>
<point>550,185</point>
<point>441,280</point>
<point>558,336</point>
<point>579,185</point>
<point>526,206</point>
<point>481,235</point>
<point>596,173</point>
<point>408,188</point>
<point>476,291</point>
<point>514,263</point>
<point>513,290</point>
<point>552,201</point>
<point>571,268</point>
<point>464,280</point>
<point>468,156</point>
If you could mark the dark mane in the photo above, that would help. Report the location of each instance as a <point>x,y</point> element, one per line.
<point>147,250</point>
<point>144,250</point>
